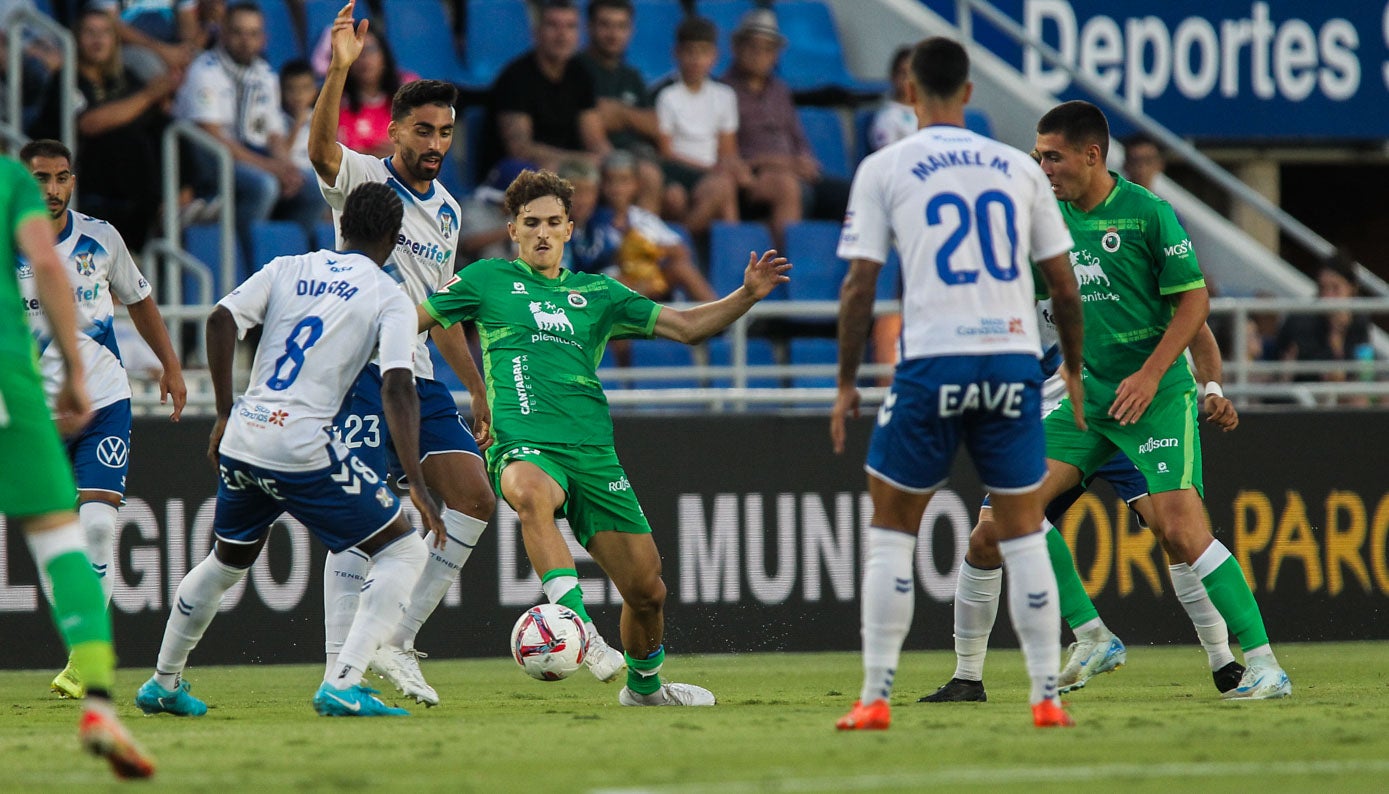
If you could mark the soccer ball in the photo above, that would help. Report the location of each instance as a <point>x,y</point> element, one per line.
<point>549,642</point>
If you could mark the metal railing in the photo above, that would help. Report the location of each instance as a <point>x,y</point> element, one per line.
<point>1320,246</point>
<point>172,242</point>
<point>19,21</point>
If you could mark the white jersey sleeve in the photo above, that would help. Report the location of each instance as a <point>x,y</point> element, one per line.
<point>128,284</point>
<point>867,232</point>
<point>355,169</point>
<point>396,333</point>
<point>1050,235</point>
<point>248,302</point>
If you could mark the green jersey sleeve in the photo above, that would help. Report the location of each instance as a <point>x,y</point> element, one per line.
<point>25,201</point>
<point>461,297</point>
<point>1173,254</point>
<point>633,315</point>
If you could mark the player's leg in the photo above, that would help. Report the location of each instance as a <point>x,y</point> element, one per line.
<point>977,591</point>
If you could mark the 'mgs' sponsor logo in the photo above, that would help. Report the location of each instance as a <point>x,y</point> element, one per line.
<point>1180,249</point>
<point>1156,443</point>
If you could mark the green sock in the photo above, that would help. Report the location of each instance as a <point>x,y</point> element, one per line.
<point>79,611</point>
<point>1230,593</point>
<point>561,586</point>
<point>1076,606</point>
<point>643,675</point>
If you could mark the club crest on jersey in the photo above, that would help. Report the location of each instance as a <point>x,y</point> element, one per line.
<point>23,269</point>
<point>1111,240</point>
<point>577,300</point>
<point>448,221</point>
<point>85,262</point>
<point>549,317</point>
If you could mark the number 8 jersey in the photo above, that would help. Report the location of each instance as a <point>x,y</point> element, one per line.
<point>323,315</point>
<point>968,216</point>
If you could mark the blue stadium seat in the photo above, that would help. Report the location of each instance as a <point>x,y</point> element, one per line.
<point>270,239</point>
<point>281,37</point>
<point>760,354</point>
<point>498,31</point>
<point>652,51</point>
<point>451,171</point>
<point>662,353</point>
<point>814,351</point>
<point>325,235</point>
<point>319,15</point>
<point>204,242</point>
<point>729,244</point>
<point>890,278</point>
<point>814,57</point>
<point>422,38</point>
<point>978,121</point>
<point>725,14</point>
<point>825,132</point>
<point>818,273</point>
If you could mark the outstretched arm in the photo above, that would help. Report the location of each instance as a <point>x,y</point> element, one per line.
<point>453,344</point>
<point>693,326</point>
<point>347,44</point>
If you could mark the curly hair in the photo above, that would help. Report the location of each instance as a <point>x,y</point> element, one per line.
<point>422,92</point>
<point>531,185</point>
<point>371,213</point>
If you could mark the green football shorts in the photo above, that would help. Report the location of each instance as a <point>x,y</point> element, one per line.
<point>38,478</point>
<point>1164,444</point>
<point>599,497</point>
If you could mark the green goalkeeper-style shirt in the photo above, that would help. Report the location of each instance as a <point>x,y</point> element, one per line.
<point>542,340</point>
<point>20,200</point>
<point>1131,257</point>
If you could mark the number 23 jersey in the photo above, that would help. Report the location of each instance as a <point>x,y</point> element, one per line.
<point>323,314</point>
<point>968,216</point>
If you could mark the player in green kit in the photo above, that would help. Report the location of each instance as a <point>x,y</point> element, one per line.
<point>1145,300</point>
<point>543,330</point>
<point>37,491</point>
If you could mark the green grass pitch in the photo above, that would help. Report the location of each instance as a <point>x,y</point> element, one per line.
<point>1155,725</point>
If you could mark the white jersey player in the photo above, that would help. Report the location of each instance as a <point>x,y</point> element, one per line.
<point>322,314</point>
<point>968,215</point>
<point>100,269</point>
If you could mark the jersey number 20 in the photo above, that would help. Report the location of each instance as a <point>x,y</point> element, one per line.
<point>294,353</point>
<point>970,218</point>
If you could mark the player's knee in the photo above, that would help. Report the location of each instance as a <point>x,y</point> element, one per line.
<point>476,502</point>
<point>647,594</point>
<point>983,548</point>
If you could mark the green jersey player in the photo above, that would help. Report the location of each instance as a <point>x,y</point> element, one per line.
<point>543,330</point>
<point>37,491</point>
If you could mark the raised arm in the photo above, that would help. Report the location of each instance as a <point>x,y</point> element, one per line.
<point>347,44</point>
<point>693,326</point>
<point>148,322</point>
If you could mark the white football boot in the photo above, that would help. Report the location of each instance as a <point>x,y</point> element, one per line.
<point>604,661</point>
<point>668,695</point>
<point>1088,659</point>
<point>401,667</point>
<point>1263,680</point>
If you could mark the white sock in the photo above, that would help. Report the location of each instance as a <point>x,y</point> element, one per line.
<point>394,573</point>
<point>344,573</point>
<point>98,521</point>
<point>195,605</point>
<point>51,543</point>
<point>1210,626</point>
<point>976,608</point>
<point>1034,608</point>
<point>440,572</point>
<point>889,598</point>
<point>1092,629</point>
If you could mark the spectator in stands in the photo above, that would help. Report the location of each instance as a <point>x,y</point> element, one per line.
<point>298,92</point>
<point>698,119</point>
<point>482,232</point>
<point>624,103</point>
<point>584,252</point>
<point>1337,336</point>
<point>787,176</point>
<point>120,118</point>
<point>1143,159</point>
<point>233,94</point>
<point>543,103</point>
<point>159,35</point>
<point>365,120</point>
<point>896,119</point>
<point>39,59</point>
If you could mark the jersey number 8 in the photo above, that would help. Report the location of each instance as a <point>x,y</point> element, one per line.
<point>978,218</point>
<point>294,353</point>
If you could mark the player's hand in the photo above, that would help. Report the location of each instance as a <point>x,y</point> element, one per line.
<point>1075,390</point>
<point>1221,412</point>
<point>1134,395</point>
<point>429,513</point>
<point>348,41</point>
<point>73,409</point>
<point>214,442</point>
<point>171,385</point>
<point>846,404</point>
<point>482,422</point>
<point>765,273</point>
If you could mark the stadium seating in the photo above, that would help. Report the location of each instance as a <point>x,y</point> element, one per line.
<point>473,130</point>
<point>281,37</point>
<point>825,132</point>
<point>814,56</point>
<point>663,353</point>
<point>725,14</point>
<point>318,15</point>
<point>422,39</point>
<point>729,244</point>
<point>203,242</point>
<point>498,31</point>
<point>810,245</point>
<point>653,42</point>
<point>270,239</point>
<point>814,351</point>
<point>325,235</point>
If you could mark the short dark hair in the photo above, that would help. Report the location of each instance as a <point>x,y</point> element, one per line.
<point>531,185</point>
<point>418,93</point>
<point>1079,122</point>
<point>544,6</point>
<point>296,67</point>
<point>243,7</point>
<point>903,53</point>
<point>371,213</point>
<point>45,147</point>
<point>1143,139</point>
<point>940,66</point>
<point>697,29</point>
<point>614,5</point>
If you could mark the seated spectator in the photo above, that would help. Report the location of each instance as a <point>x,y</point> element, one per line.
<point>624,103</point>
<point>585,252</point>
<point>120,119</point>
<point>40,58</point>
<point>365,121</point>
<point>159,35</point>
<point>896,119</point>
<point>482,232</point>
<point>698,119</point>
<point>1143,159</point>
<point>233,94</point>
<point>1337,336</point>
<point>298,92</point>
<point>787,177</point>
<point>543,104</point>
<point>642,251</point>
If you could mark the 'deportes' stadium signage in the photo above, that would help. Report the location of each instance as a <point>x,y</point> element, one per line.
<point>762,531</point>
<point>1218,69</point>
